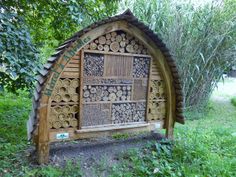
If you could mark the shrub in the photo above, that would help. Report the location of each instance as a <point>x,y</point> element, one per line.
<point>233,101</point>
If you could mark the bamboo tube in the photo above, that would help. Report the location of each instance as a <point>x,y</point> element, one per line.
<point>62,90</point>
<point>56,124</point>
<point>65,124</point>
<point>75,97</point>
<point>61,117</point>
<point>66,109</point>
<point>66,97</point>
<point>66,82</point>
<point>57,109</point>
<point>57,98</point>
<point>73,122</point>
<point>75,108</point>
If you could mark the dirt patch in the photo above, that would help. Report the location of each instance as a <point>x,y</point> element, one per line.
<point>97,154</point>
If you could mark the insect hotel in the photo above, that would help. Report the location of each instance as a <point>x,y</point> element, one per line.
<point>114,76</point>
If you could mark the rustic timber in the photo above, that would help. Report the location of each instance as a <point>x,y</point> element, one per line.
<point>119,66</point>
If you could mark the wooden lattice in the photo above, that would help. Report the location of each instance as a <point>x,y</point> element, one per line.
<point>64,110</point>
<point>63,116</point>
<point>157,96</point>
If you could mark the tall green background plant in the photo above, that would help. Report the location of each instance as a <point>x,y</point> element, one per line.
<point>200,38</point>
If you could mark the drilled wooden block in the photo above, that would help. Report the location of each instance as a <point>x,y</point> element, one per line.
<point>141,67</point>
<point>93,64</point>
<point>95,114</point>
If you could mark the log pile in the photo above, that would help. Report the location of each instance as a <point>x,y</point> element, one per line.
<point>117,41</point>
<point>95,93</point>
<point>128,112</point>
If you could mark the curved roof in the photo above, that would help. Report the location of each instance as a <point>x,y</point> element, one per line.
<point>130,18</point>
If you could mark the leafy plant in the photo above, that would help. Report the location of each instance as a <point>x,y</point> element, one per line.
<point>52,22</point>
<point>233,101</point>
<point>18,56</point>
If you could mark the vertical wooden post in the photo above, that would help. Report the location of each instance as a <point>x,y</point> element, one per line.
<point>43,132</point>
<point>81,88</point>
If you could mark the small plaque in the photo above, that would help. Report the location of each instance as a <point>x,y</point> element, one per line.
<point>158,125</point>
<point>62,136</point>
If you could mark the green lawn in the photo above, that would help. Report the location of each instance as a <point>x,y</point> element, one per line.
<point>202,147</point>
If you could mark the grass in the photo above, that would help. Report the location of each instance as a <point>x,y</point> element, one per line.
<point>203,147</point>
<point>233,101</point>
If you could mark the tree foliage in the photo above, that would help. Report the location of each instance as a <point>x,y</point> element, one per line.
<point>51,22</point>
<point>201,39</point>
<point>18,56</point>
<point>47,23</point>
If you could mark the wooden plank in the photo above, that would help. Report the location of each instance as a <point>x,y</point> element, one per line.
<point>67,74</point>
<point>111,127</point>
<point>73,65</point>
<point>43,136</point>
<point>73,134</point>
<point>64,103</point>
<point>81,88</point>
<point>116,53</point>
<point>123,101</point>
<point>67,69</point>
<point>74,62</point>
<point>120,66</point>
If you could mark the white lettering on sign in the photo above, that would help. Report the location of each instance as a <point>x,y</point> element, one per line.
<point>61,136</point>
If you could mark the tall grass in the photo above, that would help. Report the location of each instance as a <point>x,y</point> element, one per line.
<point>200,38</point>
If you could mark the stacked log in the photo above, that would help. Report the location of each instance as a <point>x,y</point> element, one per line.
<point>99,93</point>
<point>128,112</point>
<point>117,42</point>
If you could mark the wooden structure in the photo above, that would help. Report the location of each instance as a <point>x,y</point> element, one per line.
<point>113,76</point>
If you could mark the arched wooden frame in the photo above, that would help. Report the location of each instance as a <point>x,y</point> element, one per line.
<point>43,129</point>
